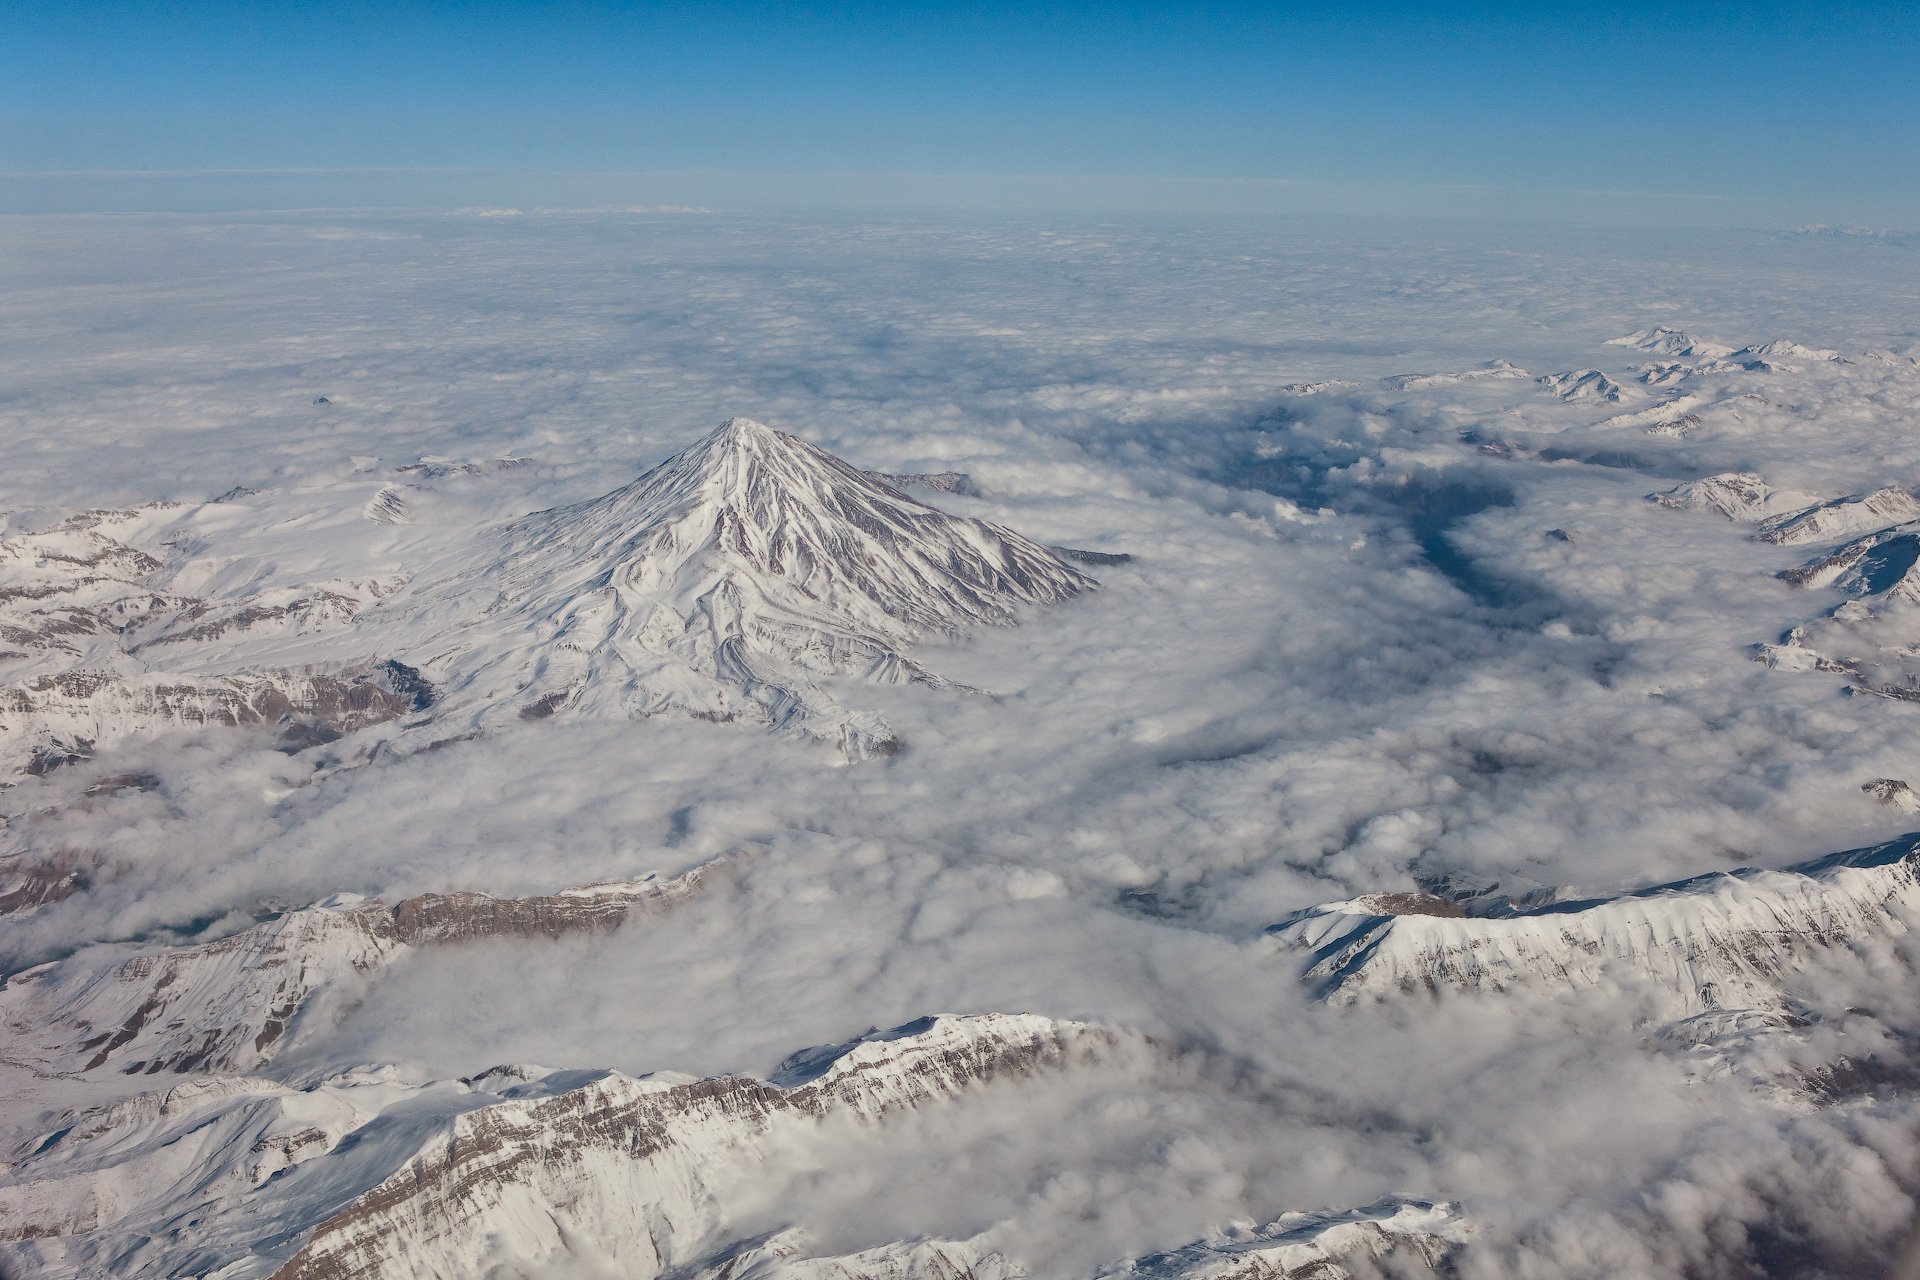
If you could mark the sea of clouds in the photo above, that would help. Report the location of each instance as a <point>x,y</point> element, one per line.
<point>1346,658</point>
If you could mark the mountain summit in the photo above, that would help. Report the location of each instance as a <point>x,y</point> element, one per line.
<point>723,582</point>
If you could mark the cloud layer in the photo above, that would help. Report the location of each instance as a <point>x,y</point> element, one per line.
<point>1377,636</point>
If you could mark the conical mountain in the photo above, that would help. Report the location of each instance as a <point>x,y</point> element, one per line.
<point>720,583</point>
<point>763,508</point>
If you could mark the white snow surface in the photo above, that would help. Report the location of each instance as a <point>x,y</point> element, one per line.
<point>1738,495</point>
<point>1831,521</point>
<point>1716,941</point>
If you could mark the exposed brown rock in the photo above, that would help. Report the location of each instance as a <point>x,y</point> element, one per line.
<point>435,918</point>
<point>38,884</point>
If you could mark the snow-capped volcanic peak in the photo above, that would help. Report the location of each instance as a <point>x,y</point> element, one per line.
<point>749,501</point>
<point>722,582</point>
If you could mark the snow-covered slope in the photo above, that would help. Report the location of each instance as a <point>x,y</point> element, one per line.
<point>1738,495</point>
<point>1397,1237</point>
<point>1881,565</point>
<point>1673,417</point>
<point>229,1005</point>
<point>520,1170</point>
<point>373,1173</point>
<point>1495,370</point>
<point>1663,341</point>
<point>1584,386</point>
<point>98,641</point>
<point>1871,636</point>
<point>1413,1236</point>
<point>636,1165</point>
<point>1841,517</point>
<point>788,1255</point>
<point>721,585</point>
<point>1777,356</point>
<point>1719,940</point>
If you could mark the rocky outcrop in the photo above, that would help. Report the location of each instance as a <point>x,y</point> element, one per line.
<point>1894,793</point>
<point>96,645</point>
<point>957,482</point>
<point>72,711</point>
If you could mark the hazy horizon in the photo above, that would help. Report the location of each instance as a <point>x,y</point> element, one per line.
<point>1773,116</point>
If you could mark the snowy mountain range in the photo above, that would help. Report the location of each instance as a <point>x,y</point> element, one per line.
<point>373,1174</point>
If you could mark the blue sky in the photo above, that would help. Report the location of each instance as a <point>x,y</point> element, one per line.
<point>1689,114</point>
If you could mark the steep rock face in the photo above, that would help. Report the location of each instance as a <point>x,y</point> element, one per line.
<point>1412,1236</point>
<point>636,1165</point>
<point>723,583</point>
<point>228,1005</point>
<point>1719,940</point>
